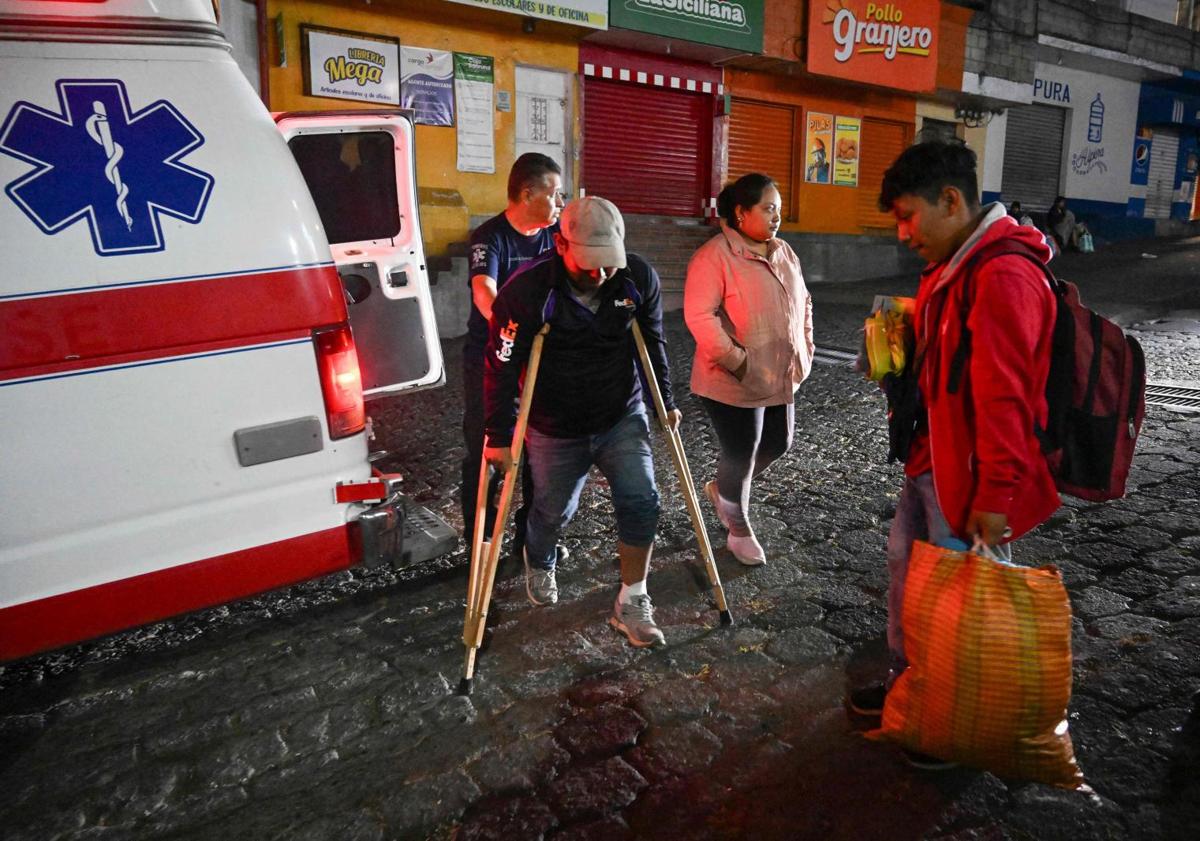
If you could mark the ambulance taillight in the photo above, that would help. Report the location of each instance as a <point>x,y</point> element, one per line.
<point>341,380</point>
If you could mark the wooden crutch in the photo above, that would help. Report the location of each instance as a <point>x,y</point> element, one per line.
<point>675,442</point>
<point>485,554</point>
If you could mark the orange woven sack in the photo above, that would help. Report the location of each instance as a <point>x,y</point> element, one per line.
<point>989,676</point>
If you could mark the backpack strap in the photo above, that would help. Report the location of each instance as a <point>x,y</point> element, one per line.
<point>984,255</point>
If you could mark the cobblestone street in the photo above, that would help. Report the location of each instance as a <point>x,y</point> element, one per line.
<point>329,710</point>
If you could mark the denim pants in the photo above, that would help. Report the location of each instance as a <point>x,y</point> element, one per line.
<point>560,467</point>
<point>918,517</point>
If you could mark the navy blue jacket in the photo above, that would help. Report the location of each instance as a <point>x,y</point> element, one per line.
<point>589,371</point>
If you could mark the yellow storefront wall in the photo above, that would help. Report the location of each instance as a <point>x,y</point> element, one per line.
<point>823,208</point>
<point>448,197</point>
<point>975,138</point>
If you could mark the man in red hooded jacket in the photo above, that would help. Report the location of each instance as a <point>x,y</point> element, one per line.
<point>975,470</point>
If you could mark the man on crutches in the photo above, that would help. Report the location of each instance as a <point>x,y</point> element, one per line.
<point>587,407</point>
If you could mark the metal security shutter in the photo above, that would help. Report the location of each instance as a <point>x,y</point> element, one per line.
<point>645,149</point>
<point>1160,188</point>
<point>882,142</point>
<point>762,139</point>
<point>1033,145</point>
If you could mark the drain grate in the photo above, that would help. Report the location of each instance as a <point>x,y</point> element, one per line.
<point>1177,398</point>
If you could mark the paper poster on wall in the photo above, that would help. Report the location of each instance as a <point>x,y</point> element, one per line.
<point>847,131</point>
<point>819,144</point>
<point>473,85</point>
<point>427,85</point>
<point>351,65</point>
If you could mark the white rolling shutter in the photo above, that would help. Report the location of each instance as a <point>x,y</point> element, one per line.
<point>1160,189</point>
<point>1033,144</point>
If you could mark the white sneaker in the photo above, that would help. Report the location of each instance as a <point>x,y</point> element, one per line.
<point>635,619</point>
<point>710,490</point>
<point>746,549</point>
<point>540,585</point>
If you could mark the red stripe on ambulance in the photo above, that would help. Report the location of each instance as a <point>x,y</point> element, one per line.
<point>56,621</point>
<point>173,317</point>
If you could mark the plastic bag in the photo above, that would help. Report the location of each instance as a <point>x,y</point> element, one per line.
<point>1086,244</point>
<point>989,676</point>
<point>888,336</point>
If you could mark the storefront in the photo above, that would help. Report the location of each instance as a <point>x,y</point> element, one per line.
<point>826,142</point>
<point>1074,139</point>
<point>486,85</point>
<point>652,97</point>
<point>647,124</point>
<point>1167,147</point>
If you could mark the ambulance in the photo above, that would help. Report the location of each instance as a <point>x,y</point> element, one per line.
<point>186,365</point>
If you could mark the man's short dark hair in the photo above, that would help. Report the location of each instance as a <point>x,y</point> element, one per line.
<point>528,171</point>
<point>928,168</point>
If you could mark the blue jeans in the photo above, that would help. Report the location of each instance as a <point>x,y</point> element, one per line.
<point>560,468</point>
<point>918,517</point>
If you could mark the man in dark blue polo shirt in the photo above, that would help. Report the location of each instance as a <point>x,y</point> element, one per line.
<point>587,405</point>
<point>499,246</point>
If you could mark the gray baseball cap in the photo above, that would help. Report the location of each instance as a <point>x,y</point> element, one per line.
<point>595,232</point>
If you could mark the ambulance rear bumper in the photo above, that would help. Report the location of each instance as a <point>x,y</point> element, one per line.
<point>398,532</point>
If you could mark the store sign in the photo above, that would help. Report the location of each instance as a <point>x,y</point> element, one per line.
<point>589,13</point>
<point>872,42</point>
<point>351,65</point>
<point>737,24</point>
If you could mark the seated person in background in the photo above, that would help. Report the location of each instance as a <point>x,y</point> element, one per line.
<point>1020,215</point>
<point>1061,222</point>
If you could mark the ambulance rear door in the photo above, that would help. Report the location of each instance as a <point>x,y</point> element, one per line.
<point>361,170</point>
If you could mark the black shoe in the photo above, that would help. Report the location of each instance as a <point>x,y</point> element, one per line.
<point>869,700</point>
<point>926,762</point>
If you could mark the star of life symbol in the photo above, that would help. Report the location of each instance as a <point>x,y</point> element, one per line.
<point>98,160</point>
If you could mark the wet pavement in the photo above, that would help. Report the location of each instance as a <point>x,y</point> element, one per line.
<point>328,710</point>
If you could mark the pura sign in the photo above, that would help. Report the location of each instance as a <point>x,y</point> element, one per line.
<point>877,43</point>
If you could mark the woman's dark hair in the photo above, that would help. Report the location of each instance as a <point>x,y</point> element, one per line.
<point>747,191</point>
<point>928,168</point>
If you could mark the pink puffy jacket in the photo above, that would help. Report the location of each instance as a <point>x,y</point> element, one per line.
<point>741,306</point>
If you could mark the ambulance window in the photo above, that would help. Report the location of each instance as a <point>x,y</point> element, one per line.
<point>352,178</point>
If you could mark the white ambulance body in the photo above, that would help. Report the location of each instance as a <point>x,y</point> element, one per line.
<point>181,407</point>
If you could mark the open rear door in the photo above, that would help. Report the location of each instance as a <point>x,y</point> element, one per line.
<point>361,171</point>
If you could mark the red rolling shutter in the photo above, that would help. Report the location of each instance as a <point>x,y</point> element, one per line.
<point>762,139</point>
<point>882,142</point>
<point>646,149</point>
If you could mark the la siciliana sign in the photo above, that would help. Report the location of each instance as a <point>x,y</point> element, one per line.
<point>736,24</point>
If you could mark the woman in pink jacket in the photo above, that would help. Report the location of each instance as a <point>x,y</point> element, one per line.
<point>751,315</point>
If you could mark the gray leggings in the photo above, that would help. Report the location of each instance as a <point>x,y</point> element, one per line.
<point>751,440</point>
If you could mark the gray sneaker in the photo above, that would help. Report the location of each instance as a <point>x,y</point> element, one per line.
<point>636,621</point>
<point>540,585</point>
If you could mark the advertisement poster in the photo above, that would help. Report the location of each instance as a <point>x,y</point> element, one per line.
<point>819,146</point>
<point>427,85</point>
<point>847,131</point>
<point>473,86</point>
<point>351,65</point>
<point>590,13</point>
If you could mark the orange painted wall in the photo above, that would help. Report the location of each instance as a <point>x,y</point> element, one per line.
<point>823,208</point>
<point>952,46</point>
<point>444,26</point>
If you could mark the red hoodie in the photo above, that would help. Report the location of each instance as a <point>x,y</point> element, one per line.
<point>980,441</point>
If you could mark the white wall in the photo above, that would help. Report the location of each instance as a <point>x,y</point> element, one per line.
<point>239,22</point>
<point>1092,169</point>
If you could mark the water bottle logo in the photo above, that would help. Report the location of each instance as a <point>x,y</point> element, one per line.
<point>1096,120</point>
